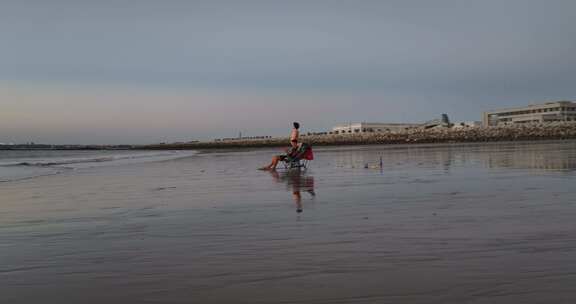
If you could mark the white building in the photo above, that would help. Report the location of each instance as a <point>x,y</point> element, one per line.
<point>548,112</point>
<point>467,124</point>
<point>370,127</point>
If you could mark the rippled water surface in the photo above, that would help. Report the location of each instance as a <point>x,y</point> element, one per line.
<point>477,223</point>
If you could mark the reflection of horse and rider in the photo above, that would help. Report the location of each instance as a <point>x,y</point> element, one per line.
<point>298,182</point>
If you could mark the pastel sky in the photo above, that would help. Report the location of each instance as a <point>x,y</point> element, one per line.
<point>142,71</point>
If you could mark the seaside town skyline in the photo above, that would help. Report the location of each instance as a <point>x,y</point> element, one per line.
<point>547,112</point>
<point>144,72</point>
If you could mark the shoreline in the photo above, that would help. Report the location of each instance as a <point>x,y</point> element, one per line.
<point>533,132</point>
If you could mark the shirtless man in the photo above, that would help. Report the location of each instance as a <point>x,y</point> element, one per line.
<point>294,135</point>
<point>293,147</point>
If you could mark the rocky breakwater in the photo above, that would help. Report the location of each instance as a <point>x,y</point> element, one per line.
<point>558,130</point>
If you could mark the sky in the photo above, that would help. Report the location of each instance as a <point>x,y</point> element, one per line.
<point>142,71</point>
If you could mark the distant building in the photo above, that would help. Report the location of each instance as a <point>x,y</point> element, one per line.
<point>548,112</point>
<point>442,122</point>
<point>467,124</point>
<point>370,127</point>
<point>243,138</point>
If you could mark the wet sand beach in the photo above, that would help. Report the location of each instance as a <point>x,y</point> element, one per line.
<point>466,223</point>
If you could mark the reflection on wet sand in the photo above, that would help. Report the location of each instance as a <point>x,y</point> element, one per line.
<point>296,182</point>
<point>437,224</point>
<point>549,157</point>
<point>553,155</point>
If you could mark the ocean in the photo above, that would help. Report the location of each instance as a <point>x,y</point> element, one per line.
<point>462,223</point>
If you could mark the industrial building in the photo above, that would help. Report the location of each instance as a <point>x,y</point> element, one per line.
<point>540,113</point>
<point>370,127</point>
<point>467,124</point>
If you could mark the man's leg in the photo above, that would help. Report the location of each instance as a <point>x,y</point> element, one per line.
<point>273,164</point>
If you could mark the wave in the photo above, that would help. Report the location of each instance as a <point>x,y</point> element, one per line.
<point>60,162</point>
<point>5,179</point>
<point>26,168</point>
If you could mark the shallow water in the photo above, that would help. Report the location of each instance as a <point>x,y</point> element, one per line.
<point>26,164</point>
<point>477,223</point>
